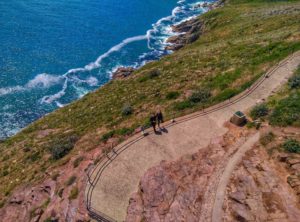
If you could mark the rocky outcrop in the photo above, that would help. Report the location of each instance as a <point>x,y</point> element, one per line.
<point>189,31</point>
<point>122,72</point>
<point>175,191</point>
<point>54,198</point>
<point>261,188</point>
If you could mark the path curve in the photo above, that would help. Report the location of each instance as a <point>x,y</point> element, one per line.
<point>217,211</point>
<point>116,177</point>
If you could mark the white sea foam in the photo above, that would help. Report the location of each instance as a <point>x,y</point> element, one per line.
<point>40,81</point>
<point>58,95</point>
<point>43,80</point>
<point>92,81</point>
<point>156,41</point>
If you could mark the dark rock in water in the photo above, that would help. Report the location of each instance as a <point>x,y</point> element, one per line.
<point>123,72</point>
<point>190,30</point>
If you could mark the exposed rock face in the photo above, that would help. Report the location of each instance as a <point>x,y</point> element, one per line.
<point>123,72</point>
<point>259,190</point>
<point>175,191</point>
<point>189,31</point>
<point>51,198</point>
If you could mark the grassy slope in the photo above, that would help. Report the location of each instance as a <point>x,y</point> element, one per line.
<point>241,41</point>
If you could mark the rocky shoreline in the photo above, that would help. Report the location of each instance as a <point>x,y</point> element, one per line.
<point>187,32</point>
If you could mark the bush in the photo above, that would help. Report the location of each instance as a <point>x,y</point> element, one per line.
<point>183,105</point>
<point>172,95</point>
<point>200,96</point>
<point>77,161</point>
<point>267,138</point>
<point>60,192</point>
<point>55,176</point>
<point>127,110</point>
<point>61,147</point>
<point>292,146</point>
<point>294,82</point>
<point>71,180</point>
<point>74,193</point>
<point>124,131</point>
<point>258,111</point>
<point>108,135</point>
<point>150,75</point>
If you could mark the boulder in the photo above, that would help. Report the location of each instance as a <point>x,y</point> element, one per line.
<point>123,72</point>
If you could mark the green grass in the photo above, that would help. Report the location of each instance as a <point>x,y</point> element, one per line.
<point>286,106</point>
<point>240,42</point>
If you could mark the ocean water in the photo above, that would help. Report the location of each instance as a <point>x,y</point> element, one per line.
<point>55,51</point>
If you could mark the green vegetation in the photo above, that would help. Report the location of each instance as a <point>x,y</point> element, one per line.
<point>200,96</point>
<point>286,105</point>
<point>239,43</point>
<point>71,180</point>
<point>258,111</point>
<point>172,95</point>
<point>292,146</point>
<point>127,110</point>
<point>77,161</point>
<point>267,138</point>
<point>74,193</point>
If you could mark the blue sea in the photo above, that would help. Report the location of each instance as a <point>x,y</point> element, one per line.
<point>55,51</point>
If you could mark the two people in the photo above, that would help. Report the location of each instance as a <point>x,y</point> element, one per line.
<point>156,118</point>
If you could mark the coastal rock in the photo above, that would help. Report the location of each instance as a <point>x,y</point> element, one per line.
<point>189,31</point>
<point>123,72</point>
<point>173,191</point>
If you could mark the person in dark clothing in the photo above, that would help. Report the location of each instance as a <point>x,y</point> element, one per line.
<point>153,121</point>
<point>159,117</point>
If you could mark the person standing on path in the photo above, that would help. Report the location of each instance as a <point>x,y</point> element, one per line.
<point>153,121</point>
<point>159,117</point>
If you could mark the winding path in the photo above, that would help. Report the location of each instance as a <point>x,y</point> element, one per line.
<point>117,176</point>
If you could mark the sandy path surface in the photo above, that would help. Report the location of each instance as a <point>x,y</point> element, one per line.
<point>217,211</point>
<point>114,183</point>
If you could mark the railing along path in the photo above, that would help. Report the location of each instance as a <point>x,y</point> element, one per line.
<point>96,172</point>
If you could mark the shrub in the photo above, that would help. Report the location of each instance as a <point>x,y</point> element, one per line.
<point>294,82</point>
<point>292,146</point>
<point>74,193</point>
<point>2,203</point>
<point>267,138</point>
<point>62,146</point>
<point>124,131</point>
<point>200,96</point>
<point>108,135</point>
<point>259,111</point>
<point>127,110</point>
<point>172,95</point>
<point>5,173</point>
<point>60,192</point>
<point>71,180</point>
<point>77,161</point>
<point>153,73</point>
<point>55,176</point>
<point>150,75</point>
<point>183,105</point>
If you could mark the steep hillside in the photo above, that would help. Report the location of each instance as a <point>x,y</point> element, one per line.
<point>239,42</point>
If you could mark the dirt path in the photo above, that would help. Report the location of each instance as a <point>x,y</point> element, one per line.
<point>118,177</point>
<point>217,211</point>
